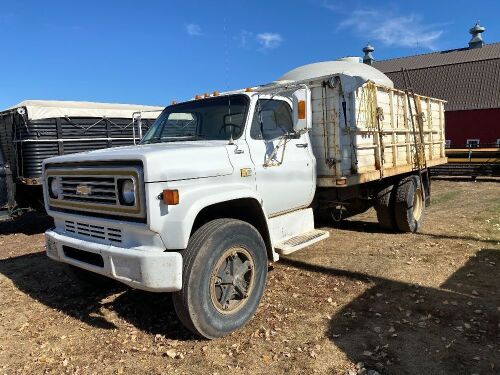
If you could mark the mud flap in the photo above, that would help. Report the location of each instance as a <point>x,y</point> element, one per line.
<point>426,179</point>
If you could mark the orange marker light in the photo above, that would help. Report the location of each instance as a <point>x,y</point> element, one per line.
<point>341,181</point>
<point>206,95</point>
<point>215,93</point>
<point>197,96</point>
<point>170,197</point>
<point>301,110</point>
<point>248,89</point>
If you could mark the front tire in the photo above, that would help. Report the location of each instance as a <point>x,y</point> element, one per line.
<point>224,275</point>
<point>409,205</point>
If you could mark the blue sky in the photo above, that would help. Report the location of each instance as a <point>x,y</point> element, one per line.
<point>154,51</point>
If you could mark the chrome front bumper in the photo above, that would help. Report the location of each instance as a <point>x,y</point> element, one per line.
<point>155,271</point>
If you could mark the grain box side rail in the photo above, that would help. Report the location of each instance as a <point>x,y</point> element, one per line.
<point>367,134</point>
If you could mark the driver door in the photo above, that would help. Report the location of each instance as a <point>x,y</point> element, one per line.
<point>284,164</point>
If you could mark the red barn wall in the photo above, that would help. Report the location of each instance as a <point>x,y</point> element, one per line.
<point>482,124</point>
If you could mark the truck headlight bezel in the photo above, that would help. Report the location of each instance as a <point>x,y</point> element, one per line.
<point>127,192</point>
<point>55,187</point>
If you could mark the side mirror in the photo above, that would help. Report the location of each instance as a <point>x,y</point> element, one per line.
<point>302,111</point>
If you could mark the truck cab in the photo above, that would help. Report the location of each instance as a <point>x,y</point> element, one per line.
<point>217,181</point>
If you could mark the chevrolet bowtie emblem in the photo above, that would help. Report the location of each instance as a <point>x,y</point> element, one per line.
<point>83,190</point>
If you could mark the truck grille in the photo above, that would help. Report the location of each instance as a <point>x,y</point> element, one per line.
<point>101,190</point>
<point>95,231</point>
<point>95,190</point>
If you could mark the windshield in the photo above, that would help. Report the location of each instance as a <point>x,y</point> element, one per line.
<point>218,118</point>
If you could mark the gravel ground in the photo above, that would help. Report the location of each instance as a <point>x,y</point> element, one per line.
<point>362,302</point>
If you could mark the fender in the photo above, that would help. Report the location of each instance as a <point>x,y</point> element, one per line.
<point>174,223</point>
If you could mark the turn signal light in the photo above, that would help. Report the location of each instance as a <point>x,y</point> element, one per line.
<point>206,95</point>
<point>215,93</point>
<point>197,96</point>
<point>301,109</point>
<point>170,197</point>
<point>248,89</point>
<point>341,181</point>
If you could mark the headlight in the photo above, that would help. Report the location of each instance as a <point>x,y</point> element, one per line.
<point>127,192</point>
<point>55,188</point>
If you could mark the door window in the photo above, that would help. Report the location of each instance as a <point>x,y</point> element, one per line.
<point>272,119</point>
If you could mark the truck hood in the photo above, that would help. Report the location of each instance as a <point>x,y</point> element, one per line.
<point>164,161</point>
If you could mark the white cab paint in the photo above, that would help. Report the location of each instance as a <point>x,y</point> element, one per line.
<point>165,161</point>
<point>155,271</point>
<point>285,171</point>
<point>286,226</point>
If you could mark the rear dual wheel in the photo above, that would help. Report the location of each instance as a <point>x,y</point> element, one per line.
<point>400,206</point>
<point>409,204</point>
<point>384,206</point>
<point>224,275</point>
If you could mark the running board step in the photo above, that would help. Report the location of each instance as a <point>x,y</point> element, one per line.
<point>302,240</point>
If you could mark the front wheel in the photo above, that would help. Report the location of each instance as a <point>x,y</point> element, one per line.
<point>224,275</point>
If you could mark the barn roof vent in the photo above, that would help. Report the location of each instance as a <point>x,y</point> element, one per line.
<point>477,39</point>
<point>368,57</point>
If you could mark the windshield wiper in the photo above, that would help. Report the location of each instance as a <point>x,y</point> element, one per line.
<point>175,139</point>
<point>151,141</point>
<point>197,136</point>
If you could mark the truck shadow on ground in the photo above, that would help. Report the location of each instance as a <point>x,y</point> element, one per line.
<point>52,284</point>
<point>371,227</point>
<point>30,223</point>
<point>399,328</point>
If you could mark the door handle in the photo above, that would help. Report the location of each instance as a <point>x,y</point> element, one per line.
<point>302,145</point>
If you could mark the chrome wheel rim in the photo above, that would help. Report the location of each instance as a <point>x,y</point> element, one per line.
<point>232,280</point>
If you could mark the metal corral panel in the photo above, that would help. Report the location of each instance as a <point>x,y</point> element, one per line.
<point>27,138</point>
<point>45,138</point>
<point>367,134</point>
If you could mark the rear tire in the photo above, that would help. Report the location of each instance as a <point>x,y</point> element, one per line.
<point>224,275</point>
<point>409,205</point>
<point>384,206</point>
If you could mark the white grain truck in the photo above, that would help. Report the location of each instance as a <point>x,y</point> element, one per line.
<point>223,183</point>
